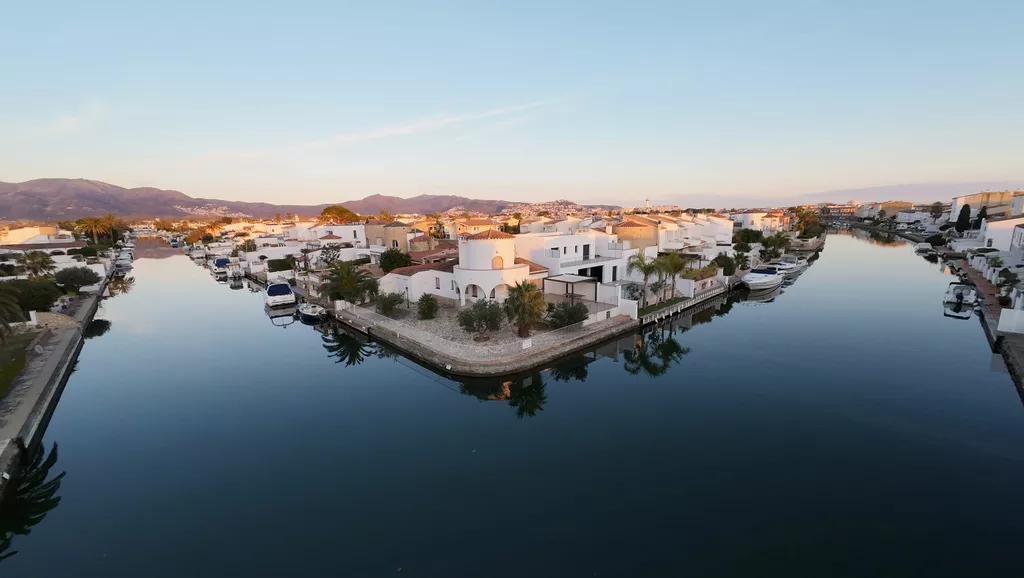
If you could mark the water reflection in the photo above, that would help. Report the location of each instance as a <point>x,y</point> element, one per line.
<point>29,497</point>
<point>346,346</point>
<point>280,317</point>
<point>655,352</point>
<point>237,284</point>
<point>96,328</point>
<point>120,285</point>
<point>525,394</point>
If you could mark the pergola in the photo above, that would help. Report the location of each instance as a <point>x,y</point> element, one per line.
<point>569,282</point>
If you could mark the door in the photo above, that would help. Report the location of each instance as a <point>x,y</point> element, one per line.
<point>586,251</point>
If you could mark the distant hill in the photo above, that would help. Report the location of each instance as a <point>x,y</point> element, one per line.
<point>914,192</point>
<point>56,199</point>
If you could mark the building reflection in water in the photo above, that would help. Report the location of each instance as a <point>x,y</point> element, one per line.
<point>30,495</point>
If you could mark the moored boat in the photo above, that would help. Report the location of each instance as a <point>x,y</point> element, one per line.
<point>312,313</point>
<point>763,278</point>
<point>279,294</point>
<point>961,293</point>
<point>924,249</point>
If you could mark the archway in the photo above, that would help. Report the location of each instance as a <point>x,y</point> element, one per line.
<point>499,293</point>
<point>473,292</point>
<point>497,262</point>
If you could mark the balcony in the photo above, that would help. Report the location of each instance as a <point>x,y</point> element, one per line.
<point>589,261</point>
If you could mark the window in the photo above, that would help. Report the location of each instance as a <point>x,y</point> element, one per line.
<point>454,286</point>
<point>577,250</point>
<point>330,232</point>
<point>615,273</point>
<point>474,290</point>
<point>354,235</point>
<point>394,244</point>
<point>565,250</point>
<point>437,282</point>
<point>497,263</point>
<point>492,293</point>
<point>988,243</point>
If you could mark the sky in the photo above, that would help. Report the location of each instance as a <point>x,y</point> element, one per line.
<point>613,102</point>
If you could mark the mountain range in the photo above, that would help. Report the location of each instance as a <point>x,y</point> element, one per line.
<point>58,199</point>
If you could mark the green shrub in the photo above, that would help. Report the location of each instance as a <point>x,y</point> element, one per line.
<point>565,314</point>
<point>702,273</point>
<point>87,251</point>
<point>35,295</point>
<point>427,306</point>
<point>387,302</point>
<point>481,316</point>
<point>73,279</point>
<point>727,263</point>
<point>8,256</point>
<point>742,247</point>
<point>393,259</point>
<point>747,236</point>
<point>285,264</point>
<point>936,240</point>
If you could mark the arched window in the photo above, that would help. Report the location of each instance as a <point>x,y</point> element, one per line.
<point>378,241</point>
<point>497,263</point>
<point>492,291</point>
<point>394,244</point>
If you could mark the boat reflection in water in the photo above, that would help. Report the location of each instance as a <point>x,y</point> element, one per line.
<point>236,283</point>
<point>280,316</point>
<point>29,497</point>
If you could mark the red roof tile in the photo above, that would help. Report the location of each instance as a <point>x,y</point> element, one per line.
<point>444,267</point>
<point>330,237</point>
<point>491,234</point>
<point>534,267</point>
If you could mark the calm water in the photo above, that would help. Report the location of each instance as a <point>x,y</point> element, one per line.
<point>844,429</point>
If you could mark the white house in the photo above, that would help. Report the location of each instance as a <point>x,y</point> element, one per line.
<point>998,232</point>
<point>36,236</point>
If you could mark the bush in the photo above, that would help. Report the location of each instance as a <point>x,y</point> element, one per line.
<point>73,279</point>
<point>742,247</point>
<point>387,302</point>
<point>360,261</point>
<point>481,316</point>
<point>747,236</point>
<point>8,270</point>
<point>35,295</point>
<point>727,263</point>
<point>393,259</point>
<point>936,240</point>
<point>702,273</point>
<point>87,251</point>
<point>1003,300</point>
<point>286,264</point>
<point>427,306</point>
<point>565,314</point>
<point>8,256</point>
<point>945,227</point>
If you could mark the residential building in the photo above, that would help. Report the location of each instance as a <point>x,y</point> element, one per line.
<point>834,211</point>
<point>473,226</point>
<point>36,236</point>
<point>996,203</point>
<point>392,235</point>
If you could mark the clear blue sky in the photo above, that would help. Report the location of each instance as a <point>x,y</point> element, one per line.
<point>594,101</point>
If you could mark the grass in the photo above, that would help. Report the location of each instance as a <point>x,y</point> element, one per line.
<point>12,359</point>
<point>661,305</point>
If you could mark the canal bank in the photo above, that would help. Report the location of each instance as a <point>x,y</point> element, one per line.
<point>35,392</point>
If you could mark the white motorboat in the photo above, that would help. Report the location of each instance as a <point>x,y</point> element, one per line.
<point>797,260</point>
<point>234,269</point>
<point>789,269</point>
<point>279,294</point>
<point>763,278</point>
<point>957,311</point>
<point>312,313</point>
<point>219,266</point>
<point>961,293</point>
<point>924,249</point>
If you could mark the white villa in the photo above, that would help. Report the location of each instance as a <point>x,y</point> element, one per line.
<point>44,237</point>
<point>764,221</point>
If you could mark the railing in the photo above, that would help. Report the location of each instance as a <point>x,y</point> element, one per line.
<point>588,261</point>
<point>463,351</point>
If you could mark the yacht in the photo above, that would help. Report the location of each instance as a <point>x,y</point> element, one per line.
<point>924,249</point>
<point>797,260</point>
<point>234,269</point>
<point>312,313</point>
<point>219,266</point>
<point>763,278</point>
<point>279,294</point>
<point>961,293</point>
<point>787,268</point>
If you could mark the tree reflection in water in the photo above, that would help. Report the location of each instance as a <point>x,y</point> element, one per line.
<point>119,285</point>
<point>345,346</point>
<point>96,328</point>
<point>29,497</point>
<point>525,394</point>
<point>655,352</point>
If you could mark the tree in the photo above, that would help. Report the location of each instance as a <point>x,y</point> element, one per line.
<point>963,220</point>
<point>392,259</point>
<point>330,254</point>
<point>742,261</point>
<point>37,263</point>
<point>29,495</point>
<point>277,217</point>
<point>427,306</point>
<point>747,236</point>
<point>671,264</point>
<point>387,302</point>
<point>335,215</point>
<point>727,263</point>
<point>639,263</point>
<point>97,328</point>
<point>349,283</point>
<point>936,209</point>
<point>10,311</point>
<point>207,238</point>
<point>34,294</point>
<point>564,315</point>
<point>481,316</point>
<point>112,223</point>
<point>248,246</point>
<point>881,215</point>
<point>385,216</point>
<point>524,306</point>
<point>982,215</point>
<point>120,285</point>
<point>94,226</point>
<point>73,279</point>
<point>654,354</point>
<point>742,247</point>
<point>527,396</point>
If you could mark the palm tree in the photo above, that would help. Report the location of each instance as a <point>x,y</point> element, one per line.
<point>524,306</point>
<point>347,282</point>
<point>94,226</point>
<point>527,398</point>
<point>28,497</point>
<point>645,267</point>
<point>672,265</point>
<point>742,261</point>
<point>112,223</point>
<point>36,263</point>
<point>119,285</point>
<point>10,311</point>
<point>347,348</point>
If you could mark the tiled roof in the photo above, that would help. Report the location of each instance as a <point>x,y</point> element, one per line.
<point>629,224</point>
<point>436,252</point>
<point>534,268</point>
<point>444,267</point>
<point>396,224</point>
<point>420,238</point>
<point>491,234</point>
<point>330,237</point>
<point>478,222</point>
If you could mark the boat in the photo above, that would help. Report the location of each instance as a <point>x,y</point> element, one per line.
<point>219,266</point>
<point>788,268</point>
<point>312,313</point>
<point>763,278</point>
<point>279,294</point>
<point>280,317</point>
<point>797,260</point>
<point>234,269</point>
<point>763,295</point>
<point>924,249</point>
<point>961,293</point>
<point>957,310</point>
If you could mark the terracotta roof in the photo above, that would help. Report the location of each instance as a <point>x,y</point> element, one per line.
<point>491,234</point>
<point>396,224</point>
<point>444,267</point>
<point>630,224</point>
<point>534,268</point>
<point>478,222</point>
<point>419,238</point>
<point>437,252</point>
<point>330,237</point>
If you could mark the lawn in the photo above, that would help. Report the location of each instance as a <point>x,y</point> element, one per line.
<point>12,358</point>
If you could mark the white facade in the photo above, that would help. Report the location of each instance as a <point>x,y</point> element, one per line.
<point>999,233</point>
<point>35,236</point>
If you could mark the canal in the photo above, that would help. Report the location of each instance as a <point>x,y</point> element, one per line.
<point>845,428</point>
